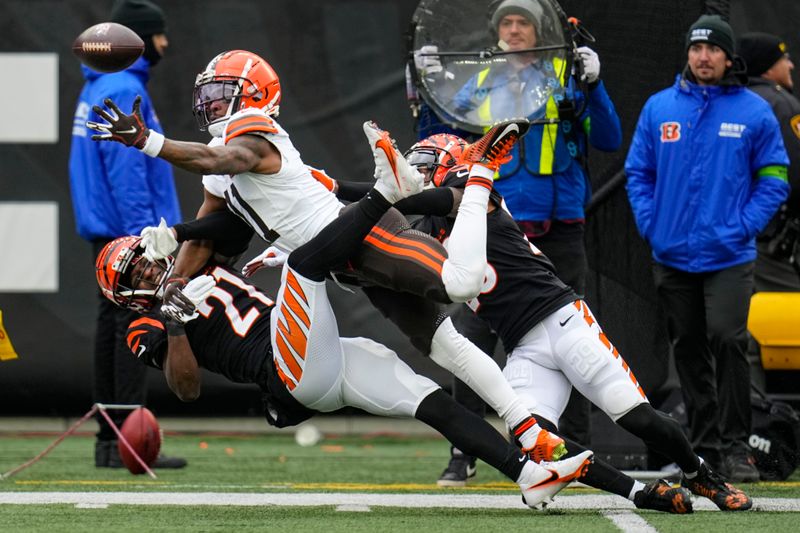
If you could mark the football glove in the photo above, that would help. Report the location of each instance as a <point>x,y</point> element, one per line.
<point>158,241</point>
<point>181,299</point>
<point>271,257</point>
<point>129,130</point>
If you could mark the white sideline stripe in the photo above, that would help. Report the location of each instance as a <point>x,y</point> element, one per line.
<point>307,499</point>
<point>630,522</point>
<point>354,508</point>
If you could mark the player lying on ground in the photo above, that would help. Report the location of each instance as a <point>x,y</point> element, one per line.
<point>552,338</point>
<point>292,350</point>
<point>254,169</point>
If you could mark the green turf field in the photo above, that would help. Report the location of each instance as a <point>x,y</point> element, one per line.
<point>265,482</point>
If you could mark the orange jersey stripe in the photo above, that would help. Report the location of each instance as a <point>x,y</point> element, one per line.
<point>286,356</point>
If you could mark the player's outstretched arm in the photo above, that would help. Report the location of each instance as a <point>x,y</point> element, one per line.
<point>242,154</point>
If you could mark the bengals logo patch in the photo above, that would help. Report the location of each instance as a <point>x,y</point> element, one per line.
<point>670,132</point>
<point>795,122</point>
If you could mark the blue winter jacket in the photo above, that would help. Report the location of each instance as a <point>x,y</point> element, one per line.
<point>706,172</point>
<point>532,195</point>
<point>117,190</point>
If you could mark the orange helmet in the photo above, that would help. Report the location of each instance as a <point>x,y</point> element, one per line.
<point>239,78</point>
<point>127,278</point>
<point>436,155</point>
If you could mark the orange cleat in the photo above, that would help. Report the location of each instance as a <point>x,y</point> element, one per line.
<point>548,447</point>
<point>492,150</point>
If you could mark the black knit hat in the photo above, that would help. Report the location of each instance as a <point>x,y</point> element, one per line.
<point>711,29</point>
<point>142,16</point>
<point>760,51</point>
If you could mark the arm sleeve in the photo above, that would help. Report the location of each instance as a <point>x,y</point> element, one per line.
<point>435,202</point>
<point>641,174</point>
<point>216,226</point>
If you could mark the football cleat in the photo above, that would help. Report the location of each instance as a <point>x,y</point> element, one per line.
<point>492,150</point>
<point>539,483</point>
<point>711,485</point>
<point>548,447</point>
<point>460,468</point>
<point>661,496</point>
<point>395,178</point>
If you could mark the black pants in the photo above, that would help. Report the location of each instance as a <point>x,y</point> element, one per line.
<point>119,377</point>
<point>707,326</point>
<point>564,246</point>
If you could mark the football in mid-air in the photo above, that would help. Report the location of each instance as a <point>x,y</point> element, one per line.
<point>141,431</point>
<point>108,47</point>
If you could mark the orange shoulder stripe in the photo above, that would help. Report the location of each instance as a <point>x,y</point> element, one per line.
<point>249,124</point>
<point>146,320</point>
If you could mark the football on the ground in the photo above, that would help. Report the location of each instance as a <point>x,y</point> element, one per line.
<point>108,47</point>
<point>141,431</point>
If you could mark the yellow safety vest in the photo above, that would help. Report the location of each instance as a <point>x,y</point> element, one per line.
<point>549,135</point>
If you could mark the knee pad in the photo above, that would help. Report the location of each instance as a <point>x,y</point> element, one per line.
<point>519,376</point>
<point>619,397</point>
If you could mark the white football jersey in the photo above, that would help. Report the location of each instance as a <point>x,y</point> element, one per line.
<point>289,204</point>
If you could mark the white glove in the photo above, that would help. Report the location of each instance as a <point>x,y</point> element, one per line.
<point>158,241</point>
<point>591,64</point>
<point>271,257</point>
<point>427,64</point>
<point>182,307</point>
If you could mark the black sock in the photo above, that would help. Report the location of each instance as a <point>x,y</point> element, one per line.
<point>471,434</point>
<point>662,433</point>
<point>599,474</point>
<point>340,239</point>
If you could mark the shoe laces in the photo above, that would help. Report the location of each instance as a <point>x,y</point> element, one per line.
<point>548,447</point>
<point>494,156</point>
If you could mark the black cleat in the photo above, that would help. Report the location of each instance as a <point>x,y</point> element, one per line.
<point>709,484</point>
<point>460,468</point>
<point>661,496</point>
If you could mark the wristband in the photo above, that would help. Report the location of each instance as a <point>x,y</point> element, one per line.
<point>153,144</point>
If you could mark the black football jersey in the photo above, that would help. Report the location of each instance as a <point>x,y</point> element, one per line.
<point>231,336</point>
<point>521,288</point>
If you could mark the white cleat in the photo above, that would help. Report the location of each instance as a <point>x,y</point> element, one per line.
<point>540,482</point>
<point>395,178</point>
